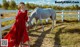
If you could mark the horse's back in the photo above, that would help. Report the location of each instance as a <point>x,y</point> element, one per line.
<point>44,13</point>
<point>47,10</point>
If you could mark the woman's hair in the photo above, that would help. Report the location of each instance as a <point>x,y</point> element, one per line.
<point>19,6</point>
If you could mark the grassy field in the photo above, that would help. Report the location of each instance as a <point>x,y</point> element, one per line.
<point>64,34</point>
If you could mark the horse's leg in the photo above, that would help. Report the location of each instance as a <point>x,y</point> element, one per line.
<point>36,23</point>
<point>46,20</point>
<point>42,24</point>
<point>52,24</point>
<point>53,21</point>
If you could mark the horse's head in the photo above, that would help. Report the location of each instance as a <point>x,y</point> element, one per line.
<point>31,16</point>
<point>30,21</point>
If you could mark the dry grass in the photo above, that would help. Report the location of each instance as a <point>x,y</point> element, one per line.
<point>9,14</point>
<point>64,34</point>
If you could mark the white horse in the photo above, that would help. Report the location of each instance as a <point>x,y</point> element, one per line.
<point>40,13</point>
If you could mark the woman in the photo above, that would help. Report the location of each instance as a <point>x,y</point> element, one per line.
<point>18,33</point>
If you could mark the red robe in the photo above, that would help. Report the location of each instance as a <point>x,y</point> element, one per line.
<point>18,32</point>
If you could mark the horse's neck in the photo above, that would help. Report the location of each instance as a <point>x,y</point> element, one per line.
<point>31,18</point>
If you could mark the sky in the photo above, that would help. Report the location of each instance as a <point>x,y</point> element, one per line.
<point>42,2</point>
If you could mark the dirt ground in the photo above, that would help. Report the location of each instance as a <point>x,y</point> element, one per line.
<point>64,34</point>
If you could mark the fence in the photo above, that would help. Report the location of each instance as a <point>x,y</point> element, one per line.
<point>5,19</point>
<point>11,18</point>
<point>62,15</point>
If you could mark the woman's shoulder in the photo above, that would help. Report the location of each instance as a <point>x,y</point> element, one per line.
<point>19,12</point>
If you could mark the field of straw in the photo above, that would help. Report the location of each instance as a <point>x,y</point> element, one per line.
<point>64,34</point>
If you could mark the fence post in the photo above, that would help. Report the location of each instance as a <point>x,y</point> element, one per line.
<point>78,16</point>
<point>62,15</point>
<point>0,29</point>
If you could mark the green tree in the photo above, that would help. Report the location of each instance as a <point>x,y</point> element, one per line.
<point>67,8</point>
<point>12,4</point>
<point>0,5</point>
<point>76,7</point>
<point>31,6</point>
<point>28,6</point>
<point>5,4</point>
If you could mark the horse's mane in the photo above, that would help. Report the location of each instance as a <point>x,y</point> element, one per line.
<point>38,8</point>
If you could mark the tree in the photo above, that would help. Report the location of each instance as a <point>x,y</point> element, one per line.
<point>0,5</point>
<point>28,6</point>
<point>12,4</point>
<point>31,6</point>
<point>5,4</point>
<point>77,7</point>
<point>67,8</point>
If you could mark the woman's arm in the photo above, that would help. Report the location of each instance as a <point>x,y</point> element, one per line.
<point>26,17</point>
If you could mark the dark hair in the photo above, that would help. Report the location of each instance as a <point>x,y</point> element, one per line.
<point>22,3</point>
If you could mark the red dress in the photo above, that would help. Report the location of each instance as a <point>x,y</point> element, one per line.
<point>18,32</point>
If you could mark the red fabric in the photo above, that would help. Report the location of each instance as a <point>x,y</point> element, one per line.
<point>18,32</point>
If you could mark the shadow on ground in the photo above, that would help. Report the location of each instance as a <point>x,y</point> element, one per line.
<point>40,39</point>
<point>72,31</point>
<point>57,38</point>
